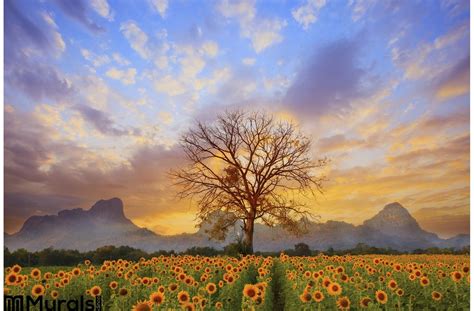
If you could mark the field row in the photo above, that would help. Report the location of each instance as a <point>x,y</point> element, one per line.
<point>408,282</point>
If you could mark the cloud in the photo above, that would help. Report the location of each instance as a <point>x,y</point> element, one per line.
<point>307,14</point>
<point>330,80</point>
<point>136,37</point>
<point>29,46</point>
<point>103,9</point>
<point>160,6</point>
<point>96,60</point>
<point>338,142</point>
<point>77,10</point>
<point>249,61</point>
<point>360,8</point>
<point>210,48</point>
<point>262,32</point>
<point>166,117</point>
<point>102,122</point>
<point>127,77</point>
<point>456,82</point>
<point>170,86</point>
<point>119,59</point>
<point>39,81</point>
<point>430,61</point>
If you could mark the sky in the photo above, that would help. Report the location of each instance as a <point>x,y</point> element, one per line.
<point>98,92</point>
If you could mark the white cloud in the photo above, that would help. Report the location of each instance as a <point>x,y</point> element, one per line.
<point>136,37</point>
<point>165,117</point>
<point>102,8</point>
<point>59,44</point>
<point>119,59</point>
<point>307,14</point>
<point>266,34</point>
<point>210,48</point>
<point>249,61</point>
<point>160,6</point>
<point>125,76</point>
<point>170,86</point>
<point>360,7</point>
<point>96,60</point>
<point>262,32</point>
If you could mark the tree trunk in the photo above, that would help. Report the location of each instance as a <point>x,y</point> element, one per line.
<point>248,236</point>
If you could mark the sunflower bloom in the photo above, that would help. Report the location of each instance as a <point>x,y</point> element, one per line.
<point>38,290</point>
<point>364,302</point>
<point>157,298</point>
<point>381,296</point>
<point>305,297</point>
<point>318,296</point>
<point>334,289</point>
<point>142,306</point>
<point>183,297</point>
<point>436,296</point>
<point>343,303</point>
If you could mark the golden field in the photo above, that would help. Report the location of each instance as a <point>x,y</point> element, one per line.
<point>367,282</point>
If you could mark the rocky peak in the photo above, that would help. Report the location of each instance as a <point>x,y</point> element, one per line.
<point>108,209</point>
<point>393,218</point>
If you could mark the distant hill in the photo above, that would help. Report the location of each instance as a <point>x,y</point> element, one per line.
<point>106,224</point>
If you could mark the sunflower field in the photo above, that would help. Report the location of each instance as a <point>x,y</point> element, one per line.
<point>369,282</point>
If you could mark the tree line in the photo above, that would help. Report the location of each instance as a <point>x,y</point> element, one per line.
<point>64,257</point>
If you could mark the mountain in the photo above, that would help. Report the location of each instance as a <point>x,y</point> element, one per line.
<point>106,224</point>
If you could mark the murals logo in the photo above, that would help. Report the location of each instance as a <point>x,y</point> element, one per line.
<point>20,303</point>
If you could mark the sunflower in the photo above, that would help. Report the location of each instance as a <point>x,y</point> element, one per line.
<point>392,284</point>
<point>343,303</point>
<point>250,291</point>
<point>305,297</point>
<point>38,290</point>
<point>456,276</point>
<point>318,296</point>
<point>16,268</point>
<point>326,281</point>
<point>172,287</point>
<point>188,306</point>
<point>334,289</point>
<point>400,292</point>
<point>436,295</point>
<point>113,285</point>
<point>96,291</point>
<point>11,278</point>
<point>183,297</point>
<point>35,273</point>
<point>157,298</point>
<point>218,305</point>
<point>211,288</point>
<point>364,302</point>
<point>381,296</point>
<point>142,306</point>
<point>424,281</point>
<point>123,291</point>
<point>76,271</point>
<point>54,294</point>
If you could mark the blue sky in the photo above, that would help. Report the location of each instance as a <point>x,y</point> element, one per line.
<point>97,92</point>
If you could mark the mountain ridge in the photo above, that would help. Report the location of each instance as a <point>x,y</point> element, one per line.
<point>105,223</point>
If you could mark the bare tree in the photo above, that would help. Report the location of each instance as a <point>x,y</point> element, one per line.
<point>248,165</point>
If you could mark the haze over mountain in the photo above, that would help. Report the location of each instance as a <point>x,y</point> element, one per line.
<point>106,224</point>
